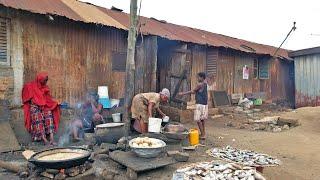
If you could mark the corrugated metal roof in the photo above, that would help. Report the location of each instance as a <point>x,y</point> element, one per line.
<point>71,9</point>
<point>304,52</point>
<point>88,13</point>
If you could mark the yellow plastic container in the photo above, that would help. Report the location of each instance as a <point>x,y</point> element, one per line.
<point>194,137</point>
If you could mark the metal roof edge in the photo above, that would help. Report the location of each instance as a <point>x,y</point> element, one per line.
<point>303,52</point>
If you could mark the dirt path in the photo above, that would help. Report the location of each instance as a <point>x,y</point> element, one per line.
<point>298,148</point>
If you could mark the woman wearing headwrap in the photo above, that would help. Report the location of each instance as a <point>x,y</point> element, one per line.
<point>41,112</point>
<point>143,105</point>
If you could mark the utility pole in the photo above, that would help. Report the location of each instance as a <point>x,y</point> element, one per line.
<point>291,30</point>
<point>130,64</point>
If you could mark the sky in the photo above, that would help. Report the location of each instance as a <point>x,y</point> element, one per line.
<point>261,21</point>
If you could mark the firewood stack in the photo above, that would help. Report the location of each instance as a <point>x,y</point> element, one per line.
<point>82,170</point>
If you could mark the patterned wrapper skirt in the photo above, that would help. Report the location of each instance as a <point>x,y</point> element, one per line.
<point>41,122</point>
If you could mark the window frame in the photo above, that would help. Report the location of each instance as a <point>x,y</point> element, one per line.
<point>259,68</point>
<point>118,67</point>
<point>8,35</point>
<point>255,69</point>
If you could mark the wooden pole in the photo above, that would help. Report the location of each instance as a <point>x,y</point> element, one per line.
<point>130,64</point>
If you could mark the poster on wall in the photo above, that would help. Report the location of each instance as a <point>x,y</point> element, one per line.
<point>263,70</point>
<point>245,72</point>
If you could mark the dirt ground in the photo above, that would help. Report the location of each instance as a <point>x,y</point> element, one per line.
<point>297,148</point>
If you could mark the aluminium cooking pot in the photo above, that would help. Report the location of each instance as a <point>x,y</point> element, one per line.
<point>60,164</point>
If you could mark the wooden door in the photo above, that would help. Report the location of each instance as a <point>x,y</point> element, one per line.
<point>243,85</point>
<point>225,72</point>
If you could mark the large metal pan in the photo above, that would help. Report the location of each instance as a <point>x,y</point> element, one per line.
<point>148,152</point>
<point>60,164</point>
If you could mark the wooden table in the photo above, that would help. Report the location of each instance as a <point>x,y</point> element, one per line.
<point>137,164</point>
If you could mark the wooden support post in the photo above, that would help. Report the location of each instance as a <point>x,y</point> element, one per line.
<point>130,64</point>
<point>154,63</point>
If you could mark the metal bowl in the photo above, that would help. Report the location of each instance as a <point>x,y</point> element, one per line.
<point>148,152</point>
<point>60,164</point>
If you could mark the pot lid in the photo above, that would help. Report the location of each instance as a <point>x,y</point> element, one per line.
<point>109,125</point>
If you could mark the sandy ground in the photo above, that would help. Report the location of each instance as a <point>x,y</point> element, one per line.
<point>297,148</point>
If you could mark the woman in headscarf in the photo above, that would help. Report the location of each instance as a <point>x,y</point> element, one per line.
<point>143,105</point>
<point>41,112</point>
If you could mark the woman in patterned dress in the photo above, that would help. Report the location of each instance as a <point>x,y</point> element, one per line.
<point>41,112</point>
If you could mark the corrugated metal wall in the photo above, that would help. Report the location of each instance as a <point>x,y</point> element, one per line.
<point>282,83</point>
<point>307,80</point>
<point>199,64</point>
<point>77,57</point>
<point>278,86</point>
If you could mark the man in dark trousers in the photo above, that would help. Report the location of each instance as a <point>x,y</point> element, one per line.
<point>201,96</point>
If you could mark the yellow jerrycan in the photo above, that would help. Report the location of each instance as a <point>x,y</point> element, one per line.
<point>194,137</point>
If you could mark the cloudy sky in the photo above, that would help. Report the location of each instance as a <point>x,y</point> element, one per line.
<point>261,21</point>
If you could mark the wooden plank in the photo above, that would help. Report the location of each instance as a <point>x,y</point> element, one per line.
<point>138,164</point>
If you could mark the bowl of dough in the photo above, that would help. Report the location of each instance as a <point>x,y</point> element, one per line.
<point>147,147</point>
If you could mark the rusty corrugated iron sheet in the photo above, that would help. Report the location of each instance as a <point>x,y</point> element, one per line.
<point>70,9</point>
<point>88,13</point>
<point>188,34</point>
<point>307,80</point>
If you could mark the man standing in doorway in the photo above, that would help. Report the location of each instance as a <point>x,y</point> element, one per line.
<point>201,96</point>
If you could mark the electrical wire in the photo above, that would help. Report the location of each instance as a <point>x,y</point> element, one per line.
<point>292,29</point>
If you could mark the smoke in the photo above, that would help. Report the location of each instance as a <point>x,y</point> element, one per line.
<point>82,117</point>
<point>65,139</point>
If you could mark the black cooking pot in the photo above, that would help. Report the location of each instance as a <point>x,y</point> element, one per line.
<point>60,164</point>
